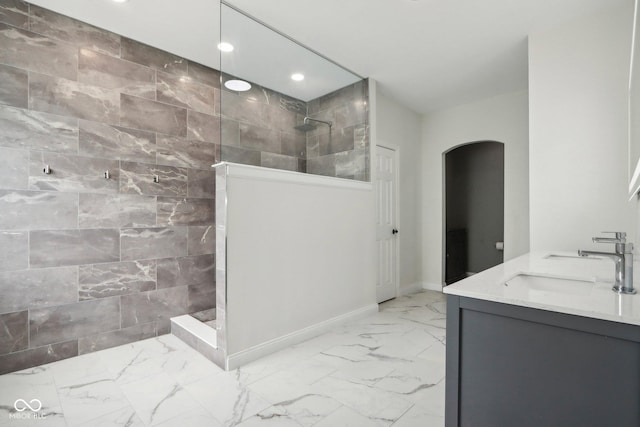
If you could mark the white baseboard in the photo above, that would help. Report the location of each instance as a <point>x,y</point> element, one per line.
<point>432,286</point>
<point>410,289</point>
<point>238,359</point>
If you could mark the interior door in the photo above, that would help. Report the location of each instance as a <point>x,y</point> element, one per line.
<point>386,223</point>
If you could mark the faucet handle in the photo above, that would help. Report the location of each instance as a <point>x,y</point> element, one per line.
<point>620,237</point>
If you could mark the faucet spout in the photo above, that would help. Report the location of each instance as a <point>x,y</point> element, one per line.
<point>623,259</point>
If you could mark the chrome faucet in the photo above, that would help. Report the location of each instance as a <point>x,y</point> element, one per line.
<point>623,259</point>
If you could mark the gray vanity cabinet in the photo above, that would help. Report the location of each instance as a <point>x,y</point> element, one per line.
<point>515,366</point>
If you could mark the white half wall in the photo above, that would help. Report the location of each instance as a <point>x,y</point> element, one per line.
<point>502,118</point>
<point>578,77</point>
<point>399,128</point>
<point>300,256</point>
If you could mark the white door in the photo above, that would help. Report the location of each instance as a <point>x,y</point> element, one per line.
<point>386,232</point>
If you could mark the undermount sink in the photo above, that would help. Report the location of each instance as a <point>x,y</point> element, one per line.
<point>544,285</point>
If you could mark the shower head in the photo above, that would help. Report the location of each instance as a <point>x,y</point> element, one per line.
<point>305,127</point>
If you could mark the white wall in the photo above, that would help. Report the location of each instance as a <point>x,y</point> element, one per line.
<point>399,127</point>
<point>578,76</point>
<point>503,118</point>
<point>300,253</point>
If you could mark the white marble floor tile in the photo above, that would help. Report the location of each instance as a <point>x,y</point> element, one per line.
<point>158,399</point>
<point>369,401</point>
<point>198,417</point>
<point>417,416</point>
<point>226,398</point>
<point>347,417</point>
<point>122,417</point>
<point>36,386</point>
<point>271,417</point>
<point>84,401</point>
<point>187,367</point>
<point>377,371</point>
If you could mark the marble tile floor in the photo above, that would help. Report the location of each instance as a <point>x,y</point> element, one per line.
<point>386,369</point>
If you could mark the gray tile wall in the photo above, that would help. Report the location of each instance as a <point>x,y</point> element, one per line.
<point>88,263</point>
<point>258,128</point>
<point>344,153</point>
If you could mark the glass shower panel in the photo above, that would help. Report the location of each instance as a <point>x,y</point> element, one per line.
<point>284,106</point>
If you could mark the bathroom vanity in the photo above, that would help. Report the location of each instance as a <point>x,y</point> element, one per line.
<point>542,340</point>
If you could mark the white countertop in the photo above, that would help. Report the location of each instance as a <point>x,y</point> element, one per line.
<point>588,293</point>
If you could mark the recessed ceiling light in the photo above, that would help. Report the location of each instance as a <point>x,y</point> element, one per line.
<point>297,77</point>
<point>120,1</point>
<point>237,85</point>
<point>225,47</point>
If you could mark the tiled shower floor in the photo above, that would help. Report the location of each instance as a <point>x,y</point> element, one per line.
<point>386,369</point>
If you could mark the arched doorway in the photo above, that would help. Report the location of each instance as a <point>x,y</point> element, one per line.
<point>474,208</point>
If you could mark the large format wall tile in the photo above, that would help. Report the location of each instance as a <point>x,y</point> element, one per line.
<point>34,52</point>
<point>192,270</point>
<point>40,131</point>
<point>14,12</point>
<point>115,142</point>
<point>73,247</point>
<point>201,183</point>
<point>114,73</point>
<point>56,324</point>
<point>153,306</point>
<point>185,93</point>
<point>201,297</point>
<point>110,339</point>
<point>151,57</point>
<point>201,240</point>
<point>203,127</point>
<point>14,87</point>
<point>14,168</point>
<point>181,211</point>
<point>259,138</point>
<point>14,332</point>
<point>37,356</point>
<point>73,244</point>
<point>241,109</point>
<point>69,98</point>
<point>71,31</point>
<point>138,178</point>
<point>324,165</point>
<point>203,74</point>
<point>37,288</point>
<point>120,278</point>
<point>340,140</point>
<point>14,250</point>
<point>174,151</point>
<point>37,210</point>
<point>240,155</point>
<point>73,173</point>
<point>278,161</point>
<point>294,144</point>
<point>150,243</point>
<point>116,211</point>
<point>141,113</point>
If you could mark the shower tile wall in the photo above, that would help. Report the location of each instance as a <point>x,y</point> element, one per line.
<point>258,128</point>
<point>344,153</point>
<point>86,262</point>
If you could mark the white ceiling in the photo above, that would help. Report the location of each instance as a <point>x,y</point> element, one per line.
<point>426,54</point>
